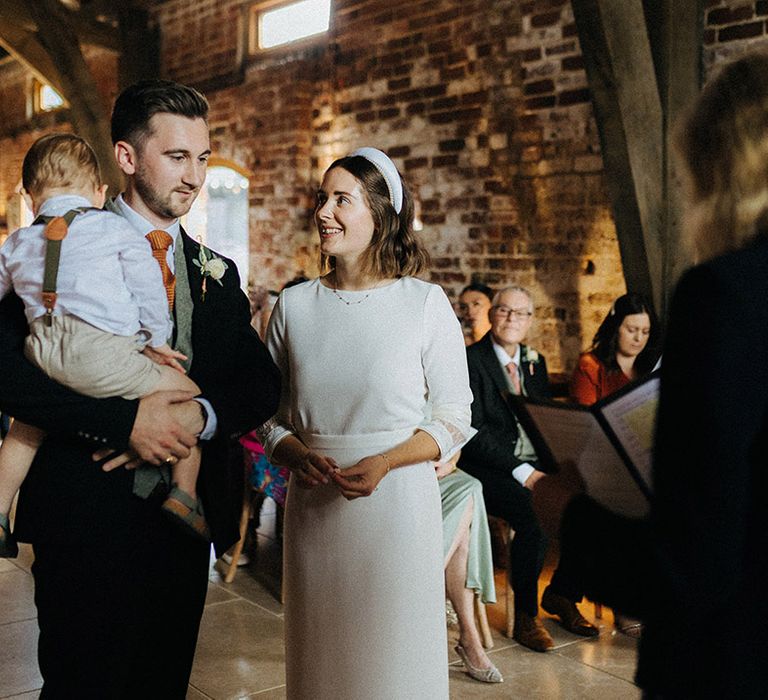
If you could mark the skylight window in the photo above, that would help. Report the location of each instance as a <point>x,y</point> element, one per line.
<point>297,20</point>
<point>50,99</point>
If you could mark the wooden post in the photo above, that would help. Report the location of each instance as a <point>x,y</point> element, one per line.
<point>54,51</point>
<point>642,62</point>
<point>677,53</point>
<point>619,64</point>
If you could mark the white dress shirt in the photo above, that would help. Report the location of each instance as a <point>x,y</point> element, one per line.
<point>107,275</point>
<point>140,224</point>
<point>143,226</point>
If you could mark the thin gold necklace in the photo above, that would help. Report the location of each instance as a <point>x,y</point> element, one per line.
<point>346,301</point>
<point>335,290</point>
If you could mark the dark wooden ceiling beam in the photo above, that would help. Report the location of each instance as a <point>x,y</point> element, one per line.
<point>89,118</point>
<point>677,50</point>
<point>642,62</point>
<point>46,37</point>
<point>620,68</point>
<point>87,27</point>
<point>140,55</point>
<point>24,46</point>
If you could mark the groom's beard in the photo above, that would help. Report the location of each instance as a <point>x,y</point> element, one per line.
<point>171,204</point>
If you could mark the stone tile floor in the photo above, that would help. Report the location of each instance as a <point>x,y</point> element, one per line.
<point>240,654</point>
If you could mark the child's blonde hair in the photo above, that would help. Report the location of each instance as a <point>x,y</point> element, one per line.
<point>60,161</point>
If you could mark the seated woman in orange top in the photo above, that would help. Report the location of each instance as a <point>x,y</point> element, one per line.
<point>625,347</point>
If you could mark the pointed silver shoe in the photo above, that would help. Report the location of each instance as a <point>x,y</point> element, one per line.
<point>486,675</point>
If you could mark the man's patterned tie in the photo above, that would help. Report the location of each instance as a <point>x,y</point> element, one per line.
<point>160,241</point>
<point>514,377</point>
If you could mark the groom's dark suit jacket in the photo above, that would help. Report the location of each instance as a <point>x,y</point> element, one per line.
<point>230,365</point>
<point>119,589</point>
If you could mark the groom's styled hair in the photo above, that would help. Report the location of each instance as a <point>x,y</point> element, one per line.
<point>137,104</point>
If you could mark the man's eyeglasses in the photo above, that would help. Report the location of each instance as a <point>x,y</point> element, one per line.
<point>509,314</point>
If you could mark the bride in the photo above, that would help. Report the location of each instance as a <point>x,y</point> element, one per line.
<point>364,350</point>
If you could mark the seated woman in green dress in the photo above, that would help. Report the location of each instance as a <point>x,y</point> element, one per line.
<point>468,562</point>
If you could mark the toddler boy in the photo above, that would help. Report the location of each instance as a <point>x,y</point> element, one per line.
<point>103,332</point>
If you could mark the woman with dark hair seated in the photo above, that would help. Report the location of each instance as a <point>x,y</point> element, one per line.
<point>624,348</point>
<point>468,562</point>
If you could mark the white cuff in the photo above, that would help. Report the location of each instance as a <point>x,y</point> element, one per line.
<point>211,421</point>
<point>522,471</point>
<point>270,434</point>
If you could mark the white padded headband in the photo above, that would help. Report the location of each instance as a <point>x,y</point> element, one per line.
<point>386,167</point>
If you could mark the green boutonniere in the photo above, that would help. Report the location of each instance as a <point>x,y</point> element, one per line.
<point>210,266</point>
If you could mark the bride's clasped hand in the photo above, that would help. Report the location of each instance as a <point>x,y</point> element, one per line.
<point>363,478</point>
<point>357,481</point>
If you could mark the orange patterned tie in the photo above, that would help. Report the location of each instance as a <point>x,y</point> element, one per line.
<point>514,377</point>
<point>160,241</point>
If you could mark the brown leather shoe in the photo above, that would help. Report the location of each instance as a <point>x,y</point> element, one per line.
<point>529,632</point>
<point>569,614</point>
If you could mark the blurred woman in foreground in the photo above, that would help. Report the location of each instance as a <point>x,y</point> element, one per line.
<point>696,570</point>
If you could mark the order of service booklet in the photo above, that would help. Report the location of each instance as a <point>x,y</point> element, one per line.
<point>610,442</point>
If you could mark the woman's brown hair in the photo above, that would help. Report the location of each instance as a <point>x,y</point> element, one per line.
<point>724,143</point>
<point>394,250</point>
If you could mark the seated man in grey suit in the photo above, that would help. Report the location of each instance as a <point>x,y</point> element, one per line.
<point>502,458</point>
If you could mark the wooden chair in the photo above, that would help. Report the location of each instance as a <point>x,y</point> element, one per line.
<point>501,530</point>
<point>237,550</point>
<point>229,570</point>
<point>271,482</point>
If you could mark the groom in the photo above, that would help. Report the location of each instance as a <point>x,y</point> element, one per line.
<point>119,591</point>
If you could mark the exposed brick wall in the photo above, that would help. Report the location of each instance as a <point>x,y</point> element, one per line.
<point>103,65</point>
<point>266,126</point>
<point>13,95</point>
<point>483,105</point>
<point>199,38</point>
<point>17,132</point>
<point>13,149</point>
<point>733,28</point>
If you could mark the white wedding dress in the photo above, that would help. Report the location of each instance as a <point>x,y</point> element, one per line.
<point>363,579</point>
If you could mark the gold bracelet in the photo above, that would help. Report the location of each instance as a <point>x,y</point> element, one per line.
<point>386,459</point>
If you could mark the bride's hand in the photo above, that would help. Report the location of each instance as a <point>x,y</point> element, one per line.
<point>312,469</point>
<point>445,468</point>
<point>361,479</point>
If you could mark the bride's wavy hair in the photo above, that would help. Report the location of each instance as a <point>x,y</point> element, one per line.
<point>394,250</point>
<point>724,145</point>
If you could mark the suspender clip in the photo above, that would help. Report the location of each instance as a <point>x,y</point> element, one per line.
<point>49,301</point>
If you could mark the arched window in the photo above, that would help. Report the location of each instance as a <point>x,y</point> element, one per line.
<point>219,216</point>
